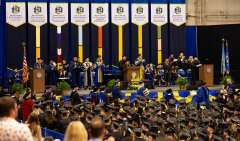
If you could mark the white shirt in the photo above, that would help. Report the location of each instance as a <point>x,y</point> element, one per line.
<point>11,130</point>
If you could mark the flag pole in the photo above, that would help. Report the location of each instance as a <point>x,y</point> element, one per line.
<point>24,53</point>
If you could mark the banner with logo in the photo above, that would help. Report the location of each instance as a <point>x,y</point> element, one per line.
<point>15,34</point>
<point>139,15</point>
<point>37,16</point>
<point>177,14</point>
<point>99,17</point>
<point>59,17</point>
<point>120,17</point>
<point>80,17</point>
<point>159,17</point>
<point>15,13</point>
<point>99,14</point>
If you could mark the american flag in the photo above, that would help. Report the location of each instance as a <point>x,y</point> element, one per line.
<point>25,68</point>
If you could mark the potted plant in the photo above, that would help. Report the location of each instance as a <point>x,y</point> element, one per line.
<point>18,88</point>
<point>64,87</point>
<point>224,79</point>
<point>110,86</point>
<point>181,82</point>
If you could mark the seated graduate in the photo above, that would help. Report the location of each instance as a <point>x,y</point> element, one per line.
<point>142,91</point>
<point>203,94</point>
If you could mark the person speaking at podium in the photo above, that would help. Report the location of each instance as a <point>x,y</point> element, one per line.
<point>39,64</point>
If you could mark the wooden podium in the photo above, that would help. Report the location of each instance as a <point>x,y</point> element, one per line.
<point>133,73</point>
<point>37,80</point>
<point>206,72</point>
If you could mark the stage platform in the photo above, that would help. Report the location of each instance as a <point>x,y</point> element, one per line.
<point>189,96</point>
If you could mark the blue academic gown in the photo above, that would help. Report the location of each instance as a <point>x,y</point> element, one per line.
<point>139,63</point>
<point>168,97</point>
<point>99,73</point>
<point>52,74</point>
<point>74,69</point>
<point>142,91</point>
<point>116,92</point>
<point>102,97</point>
<point>203,95</point>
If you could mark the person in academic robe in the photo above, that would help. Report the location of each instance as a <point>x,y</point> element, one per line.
<point>14,77</point>
<point>74,69</point>
<point>121,65</point>
<point>116,133</point>
<point>168,95</point>
<point>65,65</point>
<point>203,95</point>
<point>27,106</point>
<point>75,97</point>
<point>39,64</point>
<point>149,74</point>
<point>94,95</point>
<point>181,61</point>
<point>167,71</point>
<point>140,61</point>
<point>62,73</point>
<point>51,72</point>
<point>116,92</point>
<point>159,75</point>
<point>142,91</point>
<point>229,89</point>
<point>88,79</point>
<point>99,71</point>
<point>102,95</point>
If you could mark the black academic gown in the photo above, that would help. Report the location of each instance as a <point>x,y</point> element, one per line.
<point>75,98</point>
<point>117,135</point>
<point>139,139</point>
<point>62,125</point>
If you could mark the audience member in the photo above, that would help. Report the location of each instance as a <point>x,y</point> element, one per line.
<point>34,126</point>
<point>76,132</point>
<point>10,129</point>
<point>97,130</point>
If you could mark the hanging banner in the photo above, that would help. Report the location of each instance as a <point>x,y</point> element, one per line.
<point>139,13</point>
<point>120,13</point>
<point>99,14</point>
<point>159,14</point>
<point>177,14</point>
<point>80,13</point>
<point>37,13</point>
<point>15,13</point>
<point>58,14</point>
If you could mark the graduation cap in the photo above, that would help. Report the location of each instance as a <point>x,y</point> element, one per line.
<point>106,119</point>
<point>126,98</point>
<point>55,102</point>
<point>116,124</point>
<point>184,136</point>
<point>64,111</point>
<point>172,120</point>
<point>217,138</point>
<point>141,82</point>
<point>234,119</point>
<point>36,105</point>
<point>138,130</point>
<point>68,105</point>
<point>169,91</point>
<point>74,86</point>
<point>152,135</point>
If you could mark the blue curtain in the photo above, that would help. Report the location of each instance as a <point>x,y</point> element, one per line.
<point>3,62</point>
<point>191,41</point>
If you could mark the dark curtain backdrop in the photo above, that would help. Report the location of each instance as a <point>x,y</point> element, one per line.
<point>210,47</point>
<point>191,41</point>
<point>177,39</point>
